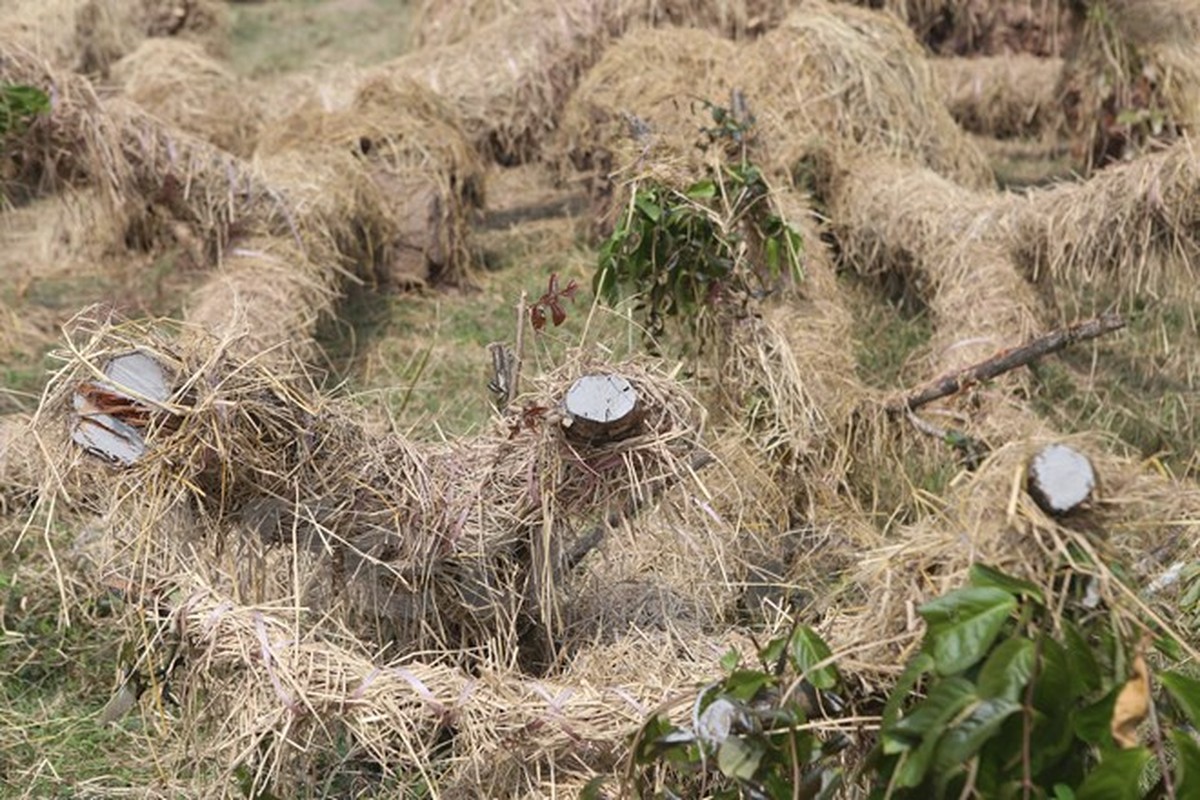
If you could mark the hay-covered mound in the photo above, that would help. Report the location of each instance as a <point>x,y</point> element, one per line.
<point>89,35</point>
<point>453,546</point>
<point>986,27</point>
<point>180,83</point>
<point>1132,79</point>
<point>1001,96</point>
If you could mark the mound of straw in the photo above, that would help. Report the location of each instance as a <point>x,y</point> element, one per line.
<point>19,456</point>
<point>998,27</point>
<point>1131,82</point>
<point>457,546</point>
<point>1002,96</point>
<point>180,83</point>
<point>90,35</point>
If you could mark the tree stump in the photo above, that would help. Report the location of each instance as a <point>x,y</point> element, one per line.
<point>601,409</point>
<point>1060,479</point>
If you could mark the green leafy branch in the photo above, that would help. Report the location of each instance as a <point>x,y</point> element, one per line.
<point>704,253</point>
<point>18,105</point>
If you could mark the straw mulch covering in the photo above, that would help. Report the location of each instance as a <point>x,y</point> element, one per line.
<point>180,83</point>
<point>89,35</point>
<point>1002,96</point>
<point>1131,82</point>
<point>439,22</point>
<point>453,546</point>
<point>19,457</point>
<point>986,27</point>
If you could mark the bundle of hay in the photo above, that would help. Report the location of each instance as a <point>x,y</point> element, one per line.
<point>1002,96</point>
<point>985,27</point>
<point>180,83</point>
<point>457,546</point>
<point>1131,83</point>
<point>89,35</point>
<point>839,78</point>
<point>413,160</point>
<point>19,457</point>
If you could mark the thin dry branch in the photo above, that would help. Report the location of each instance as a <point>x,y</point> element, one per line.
<point>1010,359</point>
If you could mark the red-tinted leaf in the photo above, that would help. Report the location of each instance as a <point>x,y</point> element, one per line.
<point>552,289</point>
<point>572,288</point>
<point>557,313</point>
<point>537,317</point>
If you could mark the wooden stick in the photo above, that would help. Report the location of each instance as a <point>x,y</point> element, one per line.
<point>1007,360</point>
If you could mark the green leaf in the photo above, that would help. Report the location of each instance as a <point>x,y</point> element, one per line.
<point>1118,777</point>
<point>928,719</point>
<point>702,190</point>
<point>1186,692</point>
<point>1008,669</point>
<point>964,739</point>
<point>648,207</point>
<point>917,666</point>
<point>963,624</point>
<point>739,758</point>
<point>591,789</point>
<point>807,651</point>
<point>1093,724</point>
<point>1080,658</point>
<point>983,575</point>
<point>1187,765</point>
<point>731,659</point>
<point>1063,792</point>
<point>744,684</point>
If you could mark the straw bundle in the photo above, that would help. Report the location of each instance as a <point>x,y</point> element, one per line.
<point>986,28</point>
<point>843,78</point>
<point>946,241</point>
<point>457,545</point>
<point>89,35</point>
<point>419,171</point>
<point>1130,230</point>
<point>1002,96</point>
<point>509,80</point>
<point>181,84</point>
<point>1131,82</point>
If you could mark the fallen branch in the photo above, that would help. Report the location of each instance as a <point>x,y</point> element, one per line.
<point>1008,360</point>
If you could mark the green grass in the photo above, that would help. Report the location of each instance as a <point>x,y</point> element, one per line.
<point>287,35</point>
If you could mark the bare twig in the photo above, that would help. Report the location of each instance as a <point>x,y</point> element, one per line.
<point>1010,359</point>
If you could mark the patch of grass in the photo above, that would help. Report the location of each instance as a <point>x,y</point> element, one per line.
<point>890,332</point>
<point>285,35</point>
<point>1143,386</point>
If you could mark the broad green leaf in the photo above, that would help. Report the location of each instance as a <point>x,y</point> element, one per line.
<point>964,738</point>
<point>926,723</point>
<point>1080,658</point>
<point>963,624</point>
<point>1008,669</point>
<point>744,684</point>
<point>731,659</point>
<point>702,190</point>
<point>1186,692</point>
<point>1187,764</point>
<point>1093,724</point>
<point>808,650</point>
<point>591,789</point>
<point>648,207</point>
<point>1063,792</point>
<point>1118,777</point>
<point>739,758</point>
<point>983,575</point>
<point>917,666</point>
<point>772,255</point>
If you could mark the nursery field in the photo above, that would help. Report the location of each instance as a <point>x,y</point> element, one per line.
<point>599,398</point>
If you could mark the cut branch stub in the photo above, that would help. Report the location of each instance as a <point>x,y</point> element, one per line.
<point>110,417</point>
<point>1060,479</point>
<point>602,408</point>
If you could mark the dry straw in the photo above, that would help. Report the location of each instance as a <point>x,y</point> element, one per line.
<point>454,546</point>
<point>183,85</point>
<point>1131,79</point>
<point>999,27</point>
<point>89,35</point>
<point>844,78</point>
<point>1001,96</point>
